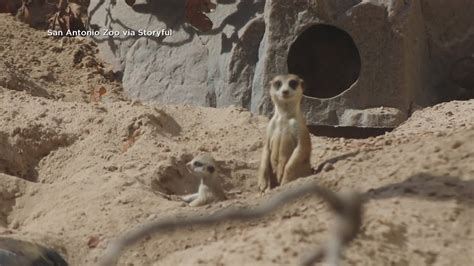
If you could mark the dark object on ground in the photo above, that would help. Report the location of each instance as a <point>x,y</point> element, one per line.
<point>14,252</point>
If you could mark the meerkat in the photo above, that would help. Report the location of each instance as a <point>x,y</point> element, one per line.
<point>204,167</point>
<point>287,148</point>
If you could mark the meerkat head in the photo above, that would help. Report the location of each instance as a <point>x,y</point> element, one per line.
<point>202,166</point>
<point>286,88</point>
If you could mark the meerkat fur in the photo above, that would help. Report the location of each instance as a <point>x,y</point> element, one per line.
<point>287,148</point>
<point>204,167</point>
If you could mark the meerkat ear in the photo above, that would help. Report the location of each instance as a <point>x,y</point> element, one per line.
<point>211,169</point>
<point>302,84</point>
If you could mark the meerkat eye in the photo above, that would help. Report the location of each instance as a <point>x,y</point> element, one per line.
<point>197,164</point>
<point>277,84</point>
<point>211,169</point>
<point>293,84</point>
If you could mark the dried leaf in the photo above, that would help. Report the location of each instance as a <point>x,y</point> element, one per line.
<point>24,13</point>
<point>130,2</point>
<point>136,133</point>
<point>70,15</point>
<point>93,241</point>
<point>102,91</point>
<point>131,140</point>
<point>128,144</point>
<point>96,94</point>
<point>33,12</point>
<point>194,14</point>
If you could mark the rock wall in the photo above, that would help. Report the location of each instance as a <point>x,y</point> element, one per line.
<point>366,63</point>
<point>450,31</point>
<point>189,67</point>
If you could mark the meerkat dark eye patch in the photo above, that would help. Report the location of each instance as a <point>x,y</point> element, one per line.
<point>211,169</point>
<point>197,164</point>
<point>277,84</point>
<point>293,84</point>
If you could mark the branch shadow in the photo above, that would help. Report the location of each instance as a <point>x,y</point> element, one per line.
<point>171,13</point>
<point>427,186</point>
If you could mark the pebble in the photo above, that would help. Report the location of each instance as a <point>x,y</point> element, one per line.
<point>328,167</point>
<point>15,225</point>
<point>456,144</point>
<point>112,168</point>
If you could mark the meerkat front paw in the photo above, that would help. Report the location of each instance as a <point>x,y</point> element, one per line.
<point>189,198</point>
<point>199,202</point>
<point>287,177</point>
<point>263,184</point>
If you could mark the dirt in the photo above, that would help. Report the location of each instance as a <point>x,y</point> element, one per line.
<point>77,171</point>
<point>52,67</point>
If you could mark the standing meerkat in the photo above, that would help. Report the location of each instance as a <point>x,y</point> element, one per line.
<point>210,190</point>
<point>287,148</point>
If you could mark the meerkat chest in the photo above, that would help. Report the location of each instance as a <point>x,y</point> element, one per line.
<point>283,133</point>
<point>205,189</point>
<point>210,187</point>
<point>288,127</point>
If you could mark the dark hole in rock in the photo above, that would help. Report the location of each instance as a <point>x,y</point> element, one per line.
<point>347,132</point>
<point>327,58</point>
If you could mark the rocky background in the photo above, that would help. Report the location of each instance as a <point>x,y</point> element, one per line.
<point>412,54</point>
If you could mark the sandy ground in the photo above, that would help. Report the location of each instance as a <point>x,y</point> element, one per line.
<point>72,171</point>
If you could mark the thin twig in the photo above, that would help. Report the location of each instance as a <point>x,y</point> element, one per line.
<point>347,207</point>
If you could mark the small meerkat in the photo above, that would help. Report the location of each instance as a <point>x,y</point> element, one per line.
<point>287,148</point>
<point>210,190</point>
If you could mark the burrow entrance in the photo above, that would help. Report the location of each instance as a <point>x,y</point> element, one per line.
<point>327,58</point>
<point>173,178</point>
<point>21,153</point>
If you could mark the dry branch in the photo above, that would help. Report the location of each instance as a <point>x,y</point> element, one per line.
<point>348,209</point>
